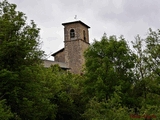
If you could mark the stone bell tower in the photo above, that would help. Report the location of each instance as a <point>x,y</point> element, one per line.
<point>76,41</point>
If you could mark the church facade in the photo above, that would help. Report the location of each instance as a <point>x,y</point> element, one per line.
<point>76,41</point>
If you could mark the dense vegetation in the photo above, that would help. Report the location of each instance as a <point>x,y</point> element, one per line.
<point>118,83</point>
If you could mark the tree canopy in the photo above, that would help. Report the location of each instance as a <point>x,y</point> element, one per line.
<point>109,63</point>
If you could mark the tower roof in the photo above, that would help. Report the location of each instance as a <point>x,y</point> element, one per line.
<point>76,22</point>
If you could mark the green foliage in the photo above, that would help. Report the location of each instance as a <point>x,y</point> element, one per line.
<point>5,113</point>
<point>110,109</point>
<point>20,69</point>
<point>34,105</point>
<point>66,93</point>
<point>109,63</point>
<point>19,42</point>
<point>146,87</point>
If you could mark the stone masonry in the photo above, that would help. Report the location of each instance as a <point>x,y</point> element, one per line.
<point>76,41</point>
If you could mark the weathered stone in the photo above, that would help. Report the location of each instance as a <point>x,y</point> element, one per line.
<point>76,40</point>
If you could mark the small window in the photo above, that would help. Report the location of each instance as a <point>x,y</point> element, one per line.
<point>84,35</point>
<point>72,33</point>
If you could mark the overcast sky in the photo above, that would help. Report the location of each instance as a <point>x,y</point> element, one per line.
<point>114,17</point>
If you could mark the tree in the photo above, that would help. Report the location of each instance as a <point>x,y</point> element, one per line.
<point>109,63</point>
<point>19,42</point>
<point>146,87</point>
<point>66,93</point>
<point>21,72</point>
<point>5,112</point>
<point>110,109</point>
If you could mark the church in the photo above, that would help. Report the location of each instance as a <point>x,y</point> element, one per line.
<point>76,41</point>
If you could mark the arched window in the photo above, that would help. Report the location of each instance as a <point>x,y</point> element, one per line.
<point>84,35</point>
<point>72,33</point>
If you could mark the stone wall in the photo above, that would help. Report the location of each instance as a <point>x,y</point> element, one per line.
<point>78,32</point>
<point>75,47</point>
<point>83,48</point>
<point>74,55</point>
<point>60,57</point>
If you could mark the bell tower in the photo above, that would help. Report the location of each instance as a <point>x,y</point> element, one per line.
<point>76,40</point>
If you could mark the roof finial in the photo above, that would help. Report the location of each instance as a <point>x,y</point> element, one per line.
<point>75,17</point>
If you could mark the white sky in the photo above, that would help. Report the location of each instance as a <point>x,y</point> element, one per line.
<point>114,17</point>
